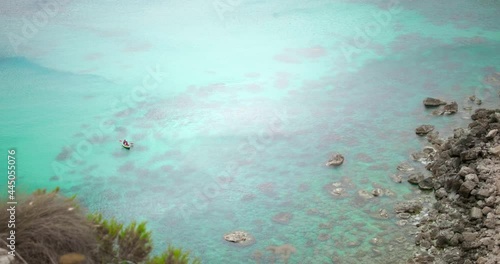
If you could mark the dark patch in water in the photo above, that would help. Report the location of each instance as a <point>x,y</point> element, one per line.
<point>64,154</point>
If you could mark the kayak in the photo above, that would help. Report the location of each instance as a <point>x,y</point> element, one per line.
<point>126,146</point>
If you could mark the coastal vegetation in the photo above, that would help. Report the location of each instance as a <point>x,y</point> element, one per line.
<point>51,228</point>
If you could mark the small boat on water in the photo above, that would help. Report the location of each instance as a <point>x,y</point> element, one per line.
<point>126,144</point>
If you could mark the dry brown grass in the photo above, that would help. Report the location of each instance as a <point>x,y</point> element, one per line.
<point>49,226</point>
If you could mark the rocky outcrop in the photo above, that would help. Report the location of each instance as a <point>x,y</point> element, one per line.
<point>241,238</point>
<point>424,130</point>
<point>335,160</point>
<point>448,109</point>
<point>433,102</point>
<point>463,226</point>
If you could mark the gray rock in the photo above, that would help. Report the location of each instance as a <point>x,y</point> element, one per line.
<point>365,194</point>
<point>441,193</point>
<point>397,178</point>
<point>484,192</point>
<point>404,166</point>
<point>335,160</point>
<point>476,213</point>
<point>426,184</point>
<point>433,102</point>
<point>377,192</point>
<point>424,129</point>
<point>495,150</point>
<point>466,170</point>
<point>411,207</point>
<point>415,178</point>
<point>470,154</point>
<point>472,177</point>
<point>492,134</point>
<point>466,188</point>
<point>450,108</point>
<point>241,238</point>
<point>469,236</point>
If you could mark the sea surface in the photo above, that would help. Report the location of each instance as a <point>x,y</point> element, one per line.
<point>234,106</point>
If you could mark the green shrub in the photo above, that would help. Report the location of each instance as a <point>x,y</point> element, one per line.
<point>173,256</point>
<point>53,229</point>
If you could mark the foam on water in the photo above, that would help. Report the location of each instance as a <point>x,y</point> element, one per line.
<point>246,110</point>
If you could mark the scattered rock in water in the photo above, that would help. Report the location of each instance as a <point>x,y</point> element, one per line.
<point>365,194</point>
<point>397,178</point>
<point>426,184</point>
<point>338,192</point>
<point>403,215</point>
<point>240,238</point>
<point>375,241</point>
<point>335,160</point>
<point>377,192</point>
<point>424,129</point>
<point>404,166</point>
<point>411,207</point>
<point>415,178</point>
<point>450,108</point>
<point>282,218</point>
<point>401,222</point>
<point>383,213</point>
<point>433,102</point>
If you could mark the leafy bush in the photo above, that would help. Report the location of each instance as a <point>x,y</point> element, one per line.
<point>173,256</point>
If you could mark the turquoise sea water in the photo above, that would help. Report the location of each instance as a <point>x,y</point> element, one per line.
<point>234,107</point>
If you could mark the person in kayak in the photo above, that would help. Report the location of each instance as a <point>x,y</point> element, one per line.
<point>125,142</point>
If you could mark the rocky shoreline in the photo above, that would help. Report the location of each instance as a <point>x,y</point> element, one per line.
<point>463,225</point>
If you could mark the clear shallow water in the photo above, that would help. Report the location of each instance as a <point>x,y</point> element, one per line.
<point>247,109</point>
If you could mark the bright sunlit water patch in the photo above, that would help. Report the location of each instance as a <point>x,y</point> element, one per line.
<point>234,112</point>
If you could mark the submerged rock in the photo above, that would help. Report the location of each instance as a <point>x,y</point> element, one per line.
<point>450,108</point>
<point>404,166</point>
<point>426,184</point>
<point>415,178</point>
<point>411,207</point>
<point>424,129</point>
<point>377,192</point>
<point>365,194</point>
<point>282,218</point>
